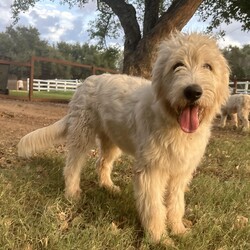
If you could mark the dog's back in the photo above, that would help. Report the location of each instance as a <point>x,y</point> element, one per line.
<point>106,96</point>
<point>236,102</point>
<point>237,105</point>
<point>112,101</point>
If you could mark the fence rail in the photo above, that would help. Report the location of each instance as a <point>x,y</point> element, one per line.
<point>240,87</point>
<point>51,85</point>
<point>243,87</point>
<point>54,84</point>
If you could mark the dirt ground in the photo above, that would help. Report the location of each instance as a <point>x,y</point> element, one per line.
<point>18,118</point>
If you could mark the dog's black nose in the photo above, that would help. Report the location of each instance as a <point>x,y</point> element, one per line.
<point>193,92</point>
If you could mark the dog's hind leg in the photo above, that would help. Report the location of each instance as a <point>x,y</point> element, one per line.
<point>243,115</point>
<point>81,138</point>
<point>234,117</point>
<point>109,152</point>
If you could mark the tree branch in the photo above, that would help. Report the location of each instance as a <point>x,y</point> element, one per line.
<point>127,16</point>
<point>175,18</point>
<point>151,15</point>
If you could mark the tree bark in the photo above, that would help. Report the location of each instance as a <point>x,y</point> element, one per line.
<point>175,18</point>
<point>139,52</point>
<point>127,16</point>
<point>151,15</point>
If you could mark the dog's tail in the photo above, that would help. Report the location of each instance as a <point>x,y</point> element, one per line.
<point>42,138</point>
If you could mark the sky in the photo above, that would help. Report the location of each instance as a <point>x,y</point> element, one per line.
<point>57,23</point>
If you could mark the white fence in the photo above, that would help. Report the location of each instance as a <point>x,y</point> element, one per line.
<point>242,87</point>
<point>71,85</point>
<point>54,85</point>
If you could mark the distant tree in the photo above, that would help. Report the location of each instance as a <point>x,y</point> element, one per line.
<point>89,54</point>
<point>246,53</point>
<point>239,60</point>
<point>19,44</point>
<point>54,70</point>
<point>226,11</point>
<point>14,41</point>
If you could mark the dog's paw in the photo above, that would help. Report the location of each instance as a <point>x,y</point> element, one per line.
<point>245,130</point>
<point>73,195</point>
<point>167,242</point>
<point>159,240</point>
<point>112,188</point>
<point>115,189</point>
<point>179,229</point>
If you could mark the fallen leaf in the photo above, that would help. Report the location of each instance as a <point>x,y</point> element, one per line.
<point>240,222</point>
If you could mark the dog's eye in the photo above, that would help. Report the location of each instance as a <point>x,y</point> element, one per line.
<point>207,66</point>
<point>177,65</point>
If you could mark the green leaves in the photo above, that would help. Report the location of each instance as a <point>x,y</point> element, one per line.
<point>225,11</point>
<point>239,60</point>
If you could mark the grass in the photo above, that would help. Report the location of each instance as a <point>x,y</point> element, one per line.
<point>43,94</point>
<point>35,215</point>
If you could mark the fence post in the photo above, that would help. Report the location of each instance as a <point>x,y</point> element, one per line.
<point>235,85</point>
<point>31,78</point>
<point>65,86</point>
<point>93,70</point>
<point>246,87</point>
<point>39,85</point>
<point>56,83</point>
<point>28,83</point>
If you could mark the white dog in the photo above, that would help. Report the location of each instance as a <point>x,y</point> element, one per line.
<point>237,105</point>
<point>165,125</point>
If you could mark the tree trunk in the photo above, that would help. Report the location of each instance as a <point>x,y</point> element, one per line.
<point>127,16</point>
<point>138,60</point>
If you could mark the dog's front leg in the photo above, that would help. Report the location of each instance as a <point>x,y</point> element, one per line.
<point>223,120</point>
<point>149,188</point>
<point>175,202</point>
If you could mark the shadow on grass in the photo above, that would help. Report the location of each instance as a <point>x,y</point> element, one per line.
<point>97,205</point>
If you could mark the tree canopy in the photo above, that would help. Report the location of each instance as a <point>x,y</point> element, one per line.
<point>140,38</point>
<point>146,22</point>
<point>217,12</point>
<point>239,61</point>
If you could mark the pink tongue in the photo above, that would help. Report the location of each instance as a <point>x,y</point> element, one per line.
<point>189,120</point>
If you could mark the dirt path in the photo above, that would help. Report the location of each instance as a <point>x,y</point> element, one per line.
<point>18,118</point>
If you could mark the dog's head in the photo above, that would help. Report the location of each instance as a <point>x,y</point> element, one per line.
<point>190,79</point>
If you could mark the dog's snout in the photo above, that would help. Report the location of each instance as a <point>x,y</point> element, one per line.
<point>193,92</point>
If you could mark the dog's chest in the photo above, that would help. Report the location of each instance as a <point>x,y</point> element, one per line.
<point>179,152</point>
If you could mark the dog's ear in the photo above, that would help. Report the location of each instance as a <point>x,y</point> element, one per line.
<point>222,75</point>
<point>157,81</point>
<point>160,69</point>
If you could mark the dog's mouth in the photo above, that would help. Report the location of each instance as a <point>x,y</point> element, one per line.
<point>190,118</point>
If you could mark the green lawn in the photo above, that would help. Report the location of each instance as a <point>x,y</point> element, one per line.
<point>35,214</point>
<point>44,94</point>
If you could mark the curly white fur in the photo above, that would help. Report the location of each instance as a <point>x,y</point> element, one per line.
<point>165,125</point>
<point>237,106</point>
